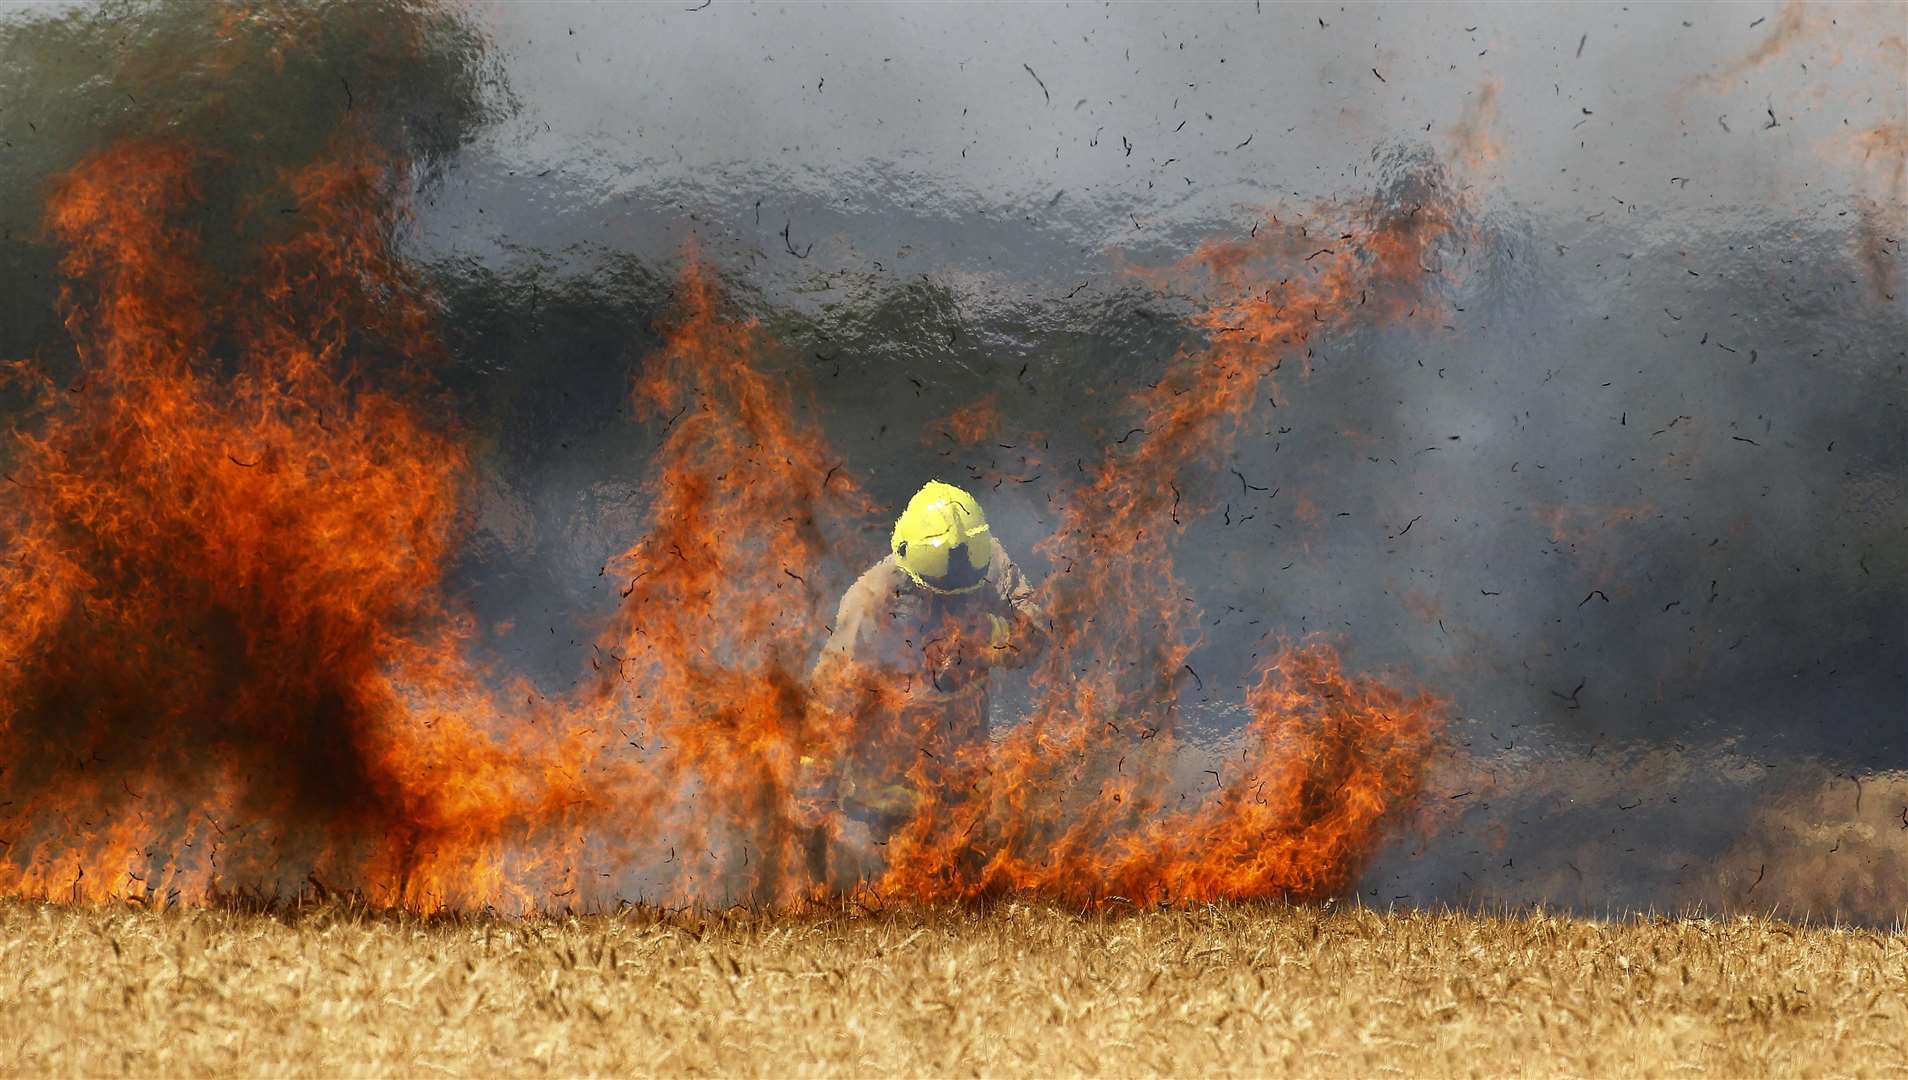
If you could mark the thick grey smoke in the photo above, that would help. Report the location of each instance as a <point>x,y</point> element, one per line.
<point>1629,493</point>
<point>1631,496</point>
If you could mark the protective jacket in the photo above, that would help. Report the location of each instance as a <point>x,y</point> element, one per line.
<point>913,665</point>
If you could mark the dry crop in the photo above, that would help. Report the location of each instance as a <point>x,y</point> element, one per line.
<point>1017,989</point>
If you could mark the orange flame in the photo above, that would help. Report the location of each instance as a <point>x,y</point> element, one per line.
<point>974,422</point>
<point>232,666</point>
<point>719,619</point>
<point>1794,24</point>
<point>1073,802</point>
<point>1882,208</point>
<point>225,588</point>
<point>1473,138</point>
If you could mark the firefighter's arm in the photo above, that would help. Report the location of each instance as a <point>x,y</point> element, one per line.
<point>838,682</point>
<point>833,668</point>
<point>1018,631</point>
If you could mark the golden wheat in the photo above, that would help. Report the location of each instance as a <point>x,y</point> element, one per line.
<point>1017,989</point>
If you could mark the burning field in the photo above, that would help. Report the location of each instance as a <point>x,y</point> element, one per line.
<point>233,669</point>
<point>425,509</point>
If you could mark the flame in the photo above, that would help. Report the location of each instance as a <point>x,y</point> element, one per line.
<point>1835,34</point>
<point>1577,526</point>
<point>750,515</point>
<point>977,421</point>
<point>1474,143</point>
<point>710,648</point>
<point>232,665</point>
<point>1882,203</point>
<point>1073,802</point>
<point>1795,23</point>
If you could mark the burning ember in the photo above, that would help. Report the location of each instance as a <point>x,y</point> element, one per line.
<point>230,665</point>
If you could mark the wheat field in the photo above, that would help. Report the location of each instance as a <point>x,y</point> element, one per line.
<point>1016,989</point>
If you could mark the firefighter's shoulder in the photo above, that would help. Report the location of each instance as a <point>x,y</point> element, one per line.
<point>878,583</point>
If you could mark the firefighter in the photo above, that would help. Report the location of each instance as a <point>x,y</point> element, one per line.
<point>911,649</point>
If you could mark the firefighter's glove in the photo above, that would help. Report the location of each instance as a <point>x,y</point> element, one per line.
<point>1000,632</point>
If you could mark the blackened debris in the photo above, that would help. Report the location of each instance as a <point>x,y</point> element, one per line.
<point>790,244</point>
<point>1037,79</point>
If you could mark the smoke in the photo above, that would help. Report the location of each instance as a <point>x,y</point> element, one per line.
<point>261,88</point>
<point>1473,145</point>
<point>1621,488</point>
<point>236,665</point>
<point>1793,24</point>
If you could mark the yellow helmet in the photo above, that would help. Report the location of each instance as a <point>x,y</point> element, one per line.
<point>941,540</point>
